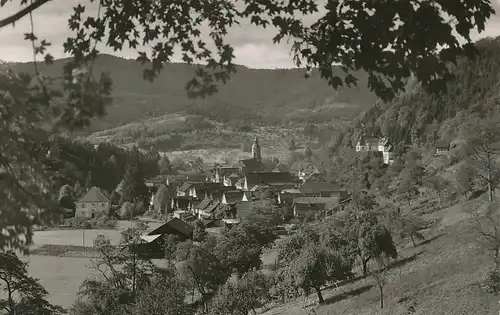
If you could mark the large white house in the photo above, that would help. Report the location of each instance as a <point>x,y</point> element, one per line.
<point>376,144</point>
<point>93,204</point>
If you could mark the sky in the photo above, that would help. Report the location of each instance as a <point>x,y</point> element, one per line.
<point>253,46</point>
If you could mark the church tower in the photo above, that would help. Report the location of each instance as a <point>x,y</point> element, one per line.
<point>256,149</point>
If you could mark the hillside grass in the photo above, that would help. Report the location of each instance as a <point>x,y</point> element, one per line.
<point>443,273</point>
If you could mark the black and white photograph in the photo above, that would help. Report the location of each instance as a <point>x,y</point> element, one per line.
<point>244,157</point>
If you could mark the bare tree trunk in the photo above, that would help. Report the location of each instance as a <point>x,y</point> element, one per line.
<point>320,296</point>
<point>413,240</point>
<point>490,188</point>
<point>11,310</point>
<point>381,296</point>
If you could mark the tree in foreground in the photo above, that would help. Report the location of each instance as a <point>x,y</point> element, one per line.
<point>309,264</point>
<point>22,293</point>
<point>482,147</point>
<point>166,295</point>
<point>123,274</point>
<point>381,274</point>
<point>201,268</point>
<point>242,297</point>
<point>382,38</point>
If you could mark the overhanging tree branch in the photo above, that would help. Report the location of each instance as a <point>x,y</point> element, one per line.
<point>20,14</point>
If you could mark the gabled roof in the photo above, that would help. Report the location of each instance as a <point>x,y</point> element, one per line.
<point>443,144</point>
<point>156,181</point>
<point>247,194</point>
<point>291,191</point>
<point>263,178</point>
<point>175,224</point>
<point>318,187</point>
<point>325,201</point>
<point>233,196</point>
<point>185,187</point>
<point>369,140</point>
<point>211,208</point>
<point>93,195</point>
<point>204,203</point>
<point>253,164</point>
<point>223,171</point>
<point>281,168</point>
<point>309,206</point>
<point>150,238</point>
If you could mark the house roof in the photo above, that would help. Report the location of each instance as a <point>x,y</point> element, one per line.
<point>281,168</point>
<point>443,144</point>
<point>185,186</point>
<point>318,187</point>
<point>93,195</point>
<point>233,196</point>
<point>325,201</point>
<point>204,203</point>
<point>156,181</point>
<point>150,238</point>
<point>223,171</point>
<point>248,195</point>
<point>293,191</point>
<point>371,140</point>
<point>211,208</point>
<point>309,206</point>
<point>253,164</point>
<point>260,178</point>
<point>175,224</point>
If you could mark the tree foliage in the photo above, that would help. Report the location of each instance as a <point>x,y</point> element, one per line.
<point>309,264</point>
<point>134,189</point>
<point>22,294</point>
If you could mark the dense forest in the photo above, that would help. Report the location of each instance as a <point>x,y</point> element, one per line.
<point>420,118</point>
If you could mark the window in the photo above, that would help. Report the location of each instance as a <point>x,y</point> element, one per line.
<point>83,205</point>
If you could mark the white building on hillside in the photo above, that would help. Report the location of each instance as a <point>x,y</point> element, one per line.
<point>376,144</point>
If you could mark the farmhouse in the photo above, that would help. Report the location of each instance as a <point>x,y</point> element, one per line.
<point>322,189</point>
<point>373,143</point>
<point>152,243</point>
<point>307,206</point>
<point>174,227</point>
<point>93,204</point>
<point>442,148</point>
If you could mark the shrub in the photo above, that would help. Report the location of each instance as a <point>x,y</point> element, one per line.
<point>491,283</point>
<point>88,224</point>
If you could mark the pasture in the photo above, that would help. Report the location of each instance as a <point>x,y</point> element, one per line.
<point>62,276</point>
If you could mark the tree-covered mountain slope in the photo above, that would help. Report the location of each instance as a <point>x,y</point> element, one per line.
<point>251,94</point>
<point>417,117</point>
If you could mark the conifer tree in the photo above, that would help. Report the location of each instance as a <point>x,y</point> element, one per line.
<point>134,189</point>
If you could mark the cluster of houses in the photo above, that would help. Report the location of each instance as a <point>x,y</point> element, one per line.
<point>227,194</point>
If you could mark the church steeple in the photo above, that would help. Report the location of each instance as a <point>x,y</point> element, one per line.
<point>256,149</point>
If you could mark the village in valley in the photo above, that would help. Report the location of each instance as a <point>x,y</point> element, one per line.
<point>170,157</point>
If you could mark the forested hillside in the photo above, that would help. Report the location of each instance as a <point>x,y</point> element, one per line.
<point>251,94</point>
<point>417,117</point>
